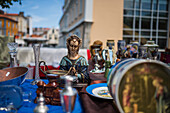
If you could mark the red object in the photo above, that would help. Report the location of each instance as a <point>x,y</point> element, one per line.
<point>88,54</point>
<point>52,68</point>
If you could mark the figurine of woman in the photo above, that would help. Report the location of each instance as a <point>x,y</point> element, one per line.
<point>161,95</point>
<point>74,63</point>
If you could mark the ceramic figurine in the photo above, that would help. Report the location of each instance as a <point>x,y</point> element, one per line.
<point>76,64</point>
<point>92,61</point>
<point>110,51</point>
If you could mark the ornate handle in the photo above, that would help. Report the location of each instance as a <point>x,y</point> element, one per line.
<point>44,68</point>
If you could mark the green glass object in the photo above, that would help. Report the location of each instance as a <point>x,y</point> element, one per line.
<point>107,68</point>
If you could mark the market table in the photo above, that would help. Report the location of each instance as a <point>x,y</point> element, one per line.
<point>29,107</point>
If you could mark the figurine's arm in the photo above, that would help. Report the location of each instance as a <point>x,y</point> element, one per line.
<point>63,64</point>
<point>84,74</point>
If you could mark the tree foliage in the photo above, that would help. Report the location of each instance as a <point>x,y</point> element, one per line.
<point>8,3</point>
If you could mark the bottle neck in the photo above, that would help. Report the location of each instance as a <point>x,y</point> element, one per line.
<point>13,59</point>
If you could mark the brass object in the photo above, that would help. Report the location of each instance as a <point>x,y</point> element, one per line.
<point>51,90</point>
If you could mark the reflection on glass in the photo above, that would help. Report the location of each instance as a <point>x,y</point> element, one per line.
<point>128,12</point>
<point>137,13</point>
<point>163,7</point>
<point>146,13</point>
<point>162,14</point>
<point>153,33</point>
<point>128,22</point>
<point>145,33</point>
<point>128,3</point>
<point>146,4</point>
<point>163,34</point>
<point>146,23</point>
<point>162,43</point>
<point>127,32</point>
<point>163,24</point>
<point>137,4</point>
<point>154,14</point>
<point>136,33</point>
<point>154,24</point>
<point>137,22</point>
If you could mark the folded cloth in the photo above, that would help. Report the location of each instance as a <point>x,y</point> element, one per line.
<point>96,105</point>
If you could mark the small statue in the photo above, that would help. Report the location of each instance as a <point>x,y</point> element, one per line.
<point>74,63</point>
<point>92,60</point>
<point>110,51</point>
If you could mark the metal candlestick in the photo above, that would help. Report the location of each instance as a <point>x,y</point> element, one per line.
<point>68,95</point>
<point>41,107</point>
<point>36,48</point>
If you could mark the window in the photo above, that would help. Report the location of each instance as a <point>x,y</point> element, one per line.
<point>145,33</point>
<point>146,4</point>
<point>127,32</point>
<point>137,4</point>
<point>139,15</point>
<point>162,34</point>
<point>163,24</point>
<point>8,23</point>
<point>128,22</point>
<point>128,4</point>
<point>162,14</point>
<point>162,43</point>
<point>0,32</point>
<point>76,8</point>
<point>81,4</point>
<point>128,12</point>
<point>146,23</point>
<point>154,23</point>
<point>137,23</point>
<point>0,24</point>
<point>146,13</point>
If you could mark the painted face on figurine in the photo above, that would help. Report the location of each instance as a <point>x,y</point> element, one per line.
<point>74,46</point>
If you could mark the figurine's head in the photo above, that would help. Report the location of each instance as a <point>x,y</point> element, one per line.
<point>96,44</point>
<point>73,44</point>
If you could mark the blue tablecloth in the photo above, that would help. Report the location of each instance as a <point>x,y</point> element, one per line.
<point>29,107</point>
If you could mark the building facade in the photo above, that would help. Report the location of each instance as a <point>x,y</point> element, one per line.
<point>127,20</point>
<point>24,23</point>
<point>52,36</point>
<point>146,20</point>
<point>8,26</point>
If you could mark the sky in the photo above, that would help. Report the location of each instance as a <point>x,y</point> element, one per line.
<point>44,13</point>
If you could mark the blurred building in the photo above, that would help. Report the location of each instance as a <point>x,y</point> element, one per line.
<point>24,23</point>
<point>139,20</point>
<point>40,30</point>
<point>8,26</point>
<point>52,36</point>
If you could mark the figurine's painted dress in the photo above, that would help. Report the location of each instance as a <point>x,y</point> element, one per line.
<point>79,64</point>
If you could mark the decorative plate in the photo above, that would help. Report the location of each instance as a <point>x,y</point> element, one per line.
<point>99,90</point>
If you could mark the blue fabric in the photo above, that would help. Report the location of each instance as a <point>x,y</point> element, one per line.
<point>29,107</point>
